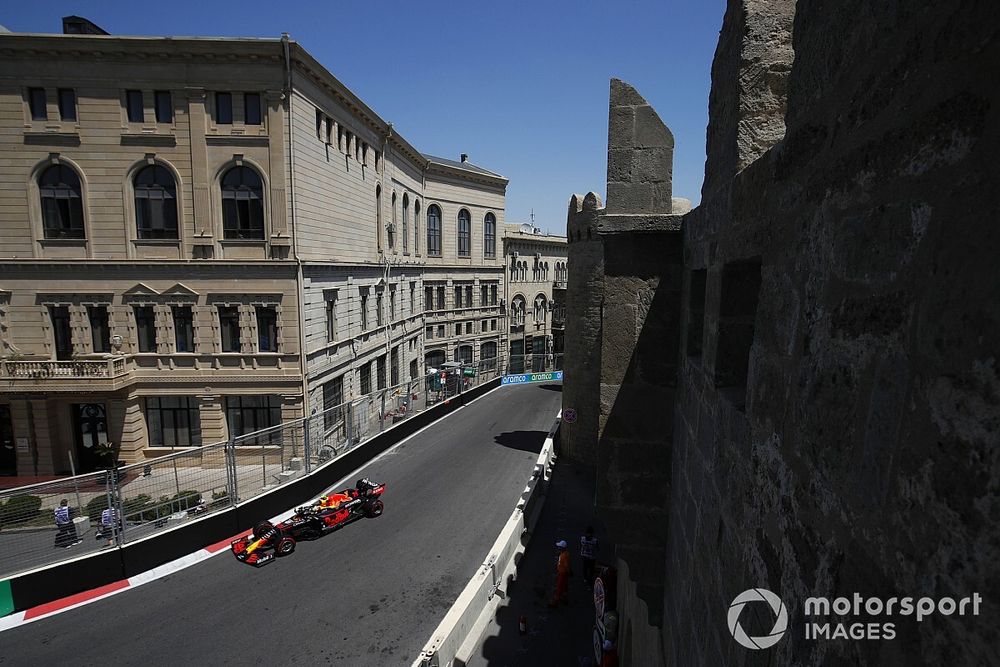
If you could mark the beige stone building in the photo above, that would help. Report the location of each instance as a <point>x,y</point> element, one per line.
<point>536,290</point>
<point>204,237</point>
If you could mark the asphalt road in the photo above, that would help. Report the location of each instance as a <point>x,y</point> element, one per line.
<point>369,594</point>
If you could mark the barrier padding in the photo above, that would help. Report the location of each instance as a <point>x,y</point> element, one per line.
<point>63,579</point>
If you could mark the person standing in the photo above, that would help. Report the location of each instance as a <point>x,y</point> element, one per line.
<point>562,574</point>
<point>588,553</point>
<point>65,530</point>
<point>108,525</point>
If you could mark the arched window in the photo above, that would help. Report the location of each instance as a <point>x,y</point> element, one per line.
<point>490,235</point>
<point>416,226</point>
<point>464,233</point>
<point>540,309</point>
<point>406,222</point>
<point>391,229</point>
<point>434,358</point>
<point>378,216</point>
<point>62,203</point>
<point>517,310</point>
<point>433,230</point>
<point>242,204</point>
<point>155,203</point>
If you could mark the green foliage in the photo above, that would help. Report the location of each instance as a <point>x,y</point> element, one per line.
<point>20,508</point>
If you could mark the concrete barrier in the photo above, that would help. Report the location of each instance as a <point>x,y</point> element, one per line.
<point>462,629</point>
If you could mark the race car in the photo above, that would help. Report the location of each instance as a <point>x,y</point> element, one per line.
<point>269,540</point>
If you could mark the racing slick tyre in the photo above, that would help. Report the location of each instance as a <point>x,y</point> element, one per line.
<point>285,546</point>
<point>262,529</point>
<point>374,509</point>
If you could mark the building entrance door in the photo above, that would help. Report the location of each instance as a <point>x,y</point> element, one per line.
<point>8,453</point>
<point>90,426</point>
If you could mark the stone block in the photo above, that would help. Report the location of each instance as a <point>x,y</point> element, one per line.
<point>651,132</point>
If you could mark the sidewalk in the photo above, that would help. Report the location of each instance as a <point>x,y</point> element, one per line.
<point>555,636</point>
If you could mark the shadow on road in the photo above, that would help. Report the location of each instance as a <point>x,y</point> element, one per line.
<point>551,387</point>
<point>526,441</point>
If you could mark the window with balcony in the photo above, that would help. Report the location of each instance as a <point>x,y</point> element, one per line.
<point>100,332</point>
<point>173,421</point>
<point>364,309</point>
<point>464,234</point>
<point>331,316</point>
<point>242,204</point>
<point>229,328</point>
<point>267,329</point>
<point>183,329</point>
<point>145,328</point>
<point>406,223</point>
<point>62,333</point>
<point>62,203</point>
<point>155,203</point>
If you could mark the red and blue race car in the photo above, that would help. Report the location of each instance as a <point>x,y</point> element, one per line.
<point>334,511</point>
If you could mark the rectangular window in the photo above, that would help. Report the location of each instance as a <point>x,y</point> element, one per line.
<point>173,421</point>
<point>320,119</point>
<point>62,334</point>
<point>413,293</point>
<point>333,400</point>
<point>493,295</point>
<point>440,331</point>
<point>224,108</point>
<point>36,100</point>
<point>331,316</point>
<point>329,131</point>
<point>381,371</point>
<point>429,333</point>
<point>378,308</point>
<point>493,325</point>
<point>145,328</point>
<point>248,414</point>
<point>183,329</point>
<point>394,367</point>
<point>458,329</point>
<point>458,297</point>
<point>392,304</point>
<point>468,296</point>
<point>468,327</point>
<point>696,312</point>
<point>251,109</point>
<point>440,297</point>
<point>364,310</point>
<point>484,295</point>
<point>267,329</point>
<point>164,106</point>
<point>133,106</point>
<point>229,328</point>
<point>100,332</point>
<point>365,378</point>
<point>67,104</point>
<point>428,298</point>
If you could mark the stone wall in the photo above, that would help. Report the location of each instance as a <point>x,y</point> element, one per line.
<point>835,396</point>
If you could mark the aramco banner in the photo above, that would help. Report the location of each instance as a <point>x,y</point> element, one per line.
<point>554,376</point>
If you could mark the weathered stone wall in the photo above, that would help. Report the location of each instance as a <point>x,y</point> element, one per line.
<point>860,453</point>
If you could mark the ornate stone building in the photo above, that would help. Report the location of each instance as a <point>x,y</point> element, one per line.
<point>794,385</point>
<point>536,289</point>
<point>204,237</point>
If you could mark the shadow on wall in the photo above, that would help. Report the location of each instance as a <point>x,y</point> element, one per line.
<point>526,441</point>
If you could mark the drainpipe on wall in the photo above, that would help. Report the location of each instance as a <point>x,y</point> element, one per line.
<point>299,277</point>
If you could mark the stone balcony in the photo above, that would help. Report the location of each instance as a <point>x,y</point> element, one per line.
<point>106,374</point>
<point>558,284</point>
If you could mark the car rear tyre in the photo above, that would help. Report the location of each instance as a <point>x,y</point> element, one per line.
<point>285,546</point>
<point>374,509</point>
<point>262,529</point>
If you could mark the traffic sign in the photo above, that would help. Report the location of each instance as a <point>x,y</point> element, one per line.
<point>569,415</point>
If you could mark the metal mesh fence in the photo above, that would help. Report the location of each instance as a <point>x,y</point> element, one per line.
<point>111,508</point>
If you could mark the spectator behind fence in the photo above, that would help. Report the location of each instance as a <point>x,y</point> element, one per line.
<point>65,530</point>
<point>108,525</point>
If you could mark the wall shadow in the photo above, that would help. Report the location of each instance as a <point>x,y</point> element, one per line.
<point>526,441</point>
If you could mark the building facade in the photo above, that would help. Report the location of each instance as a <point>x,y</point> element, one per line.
<point>537,275</point>
<point>200,238</point>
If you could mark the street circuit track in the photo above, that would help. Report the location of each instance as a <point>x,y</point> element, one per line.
<point>369,594</point>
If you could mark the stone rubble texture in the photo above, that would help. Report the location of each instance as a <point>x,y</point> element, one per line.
<point>861,456</point>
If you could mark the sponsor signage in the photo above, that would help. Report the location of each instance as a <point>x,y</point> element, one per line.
<point>532,377</point>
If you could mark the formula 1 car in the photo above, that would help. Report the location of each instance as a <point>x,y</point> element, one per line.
<point>269,541</point>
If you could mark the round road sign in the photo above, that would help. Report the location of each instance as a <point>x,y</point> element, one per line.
<point>569,415</point>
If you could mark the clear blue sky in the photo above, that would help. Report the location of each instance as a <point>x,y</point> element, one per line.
<point>519,85</point>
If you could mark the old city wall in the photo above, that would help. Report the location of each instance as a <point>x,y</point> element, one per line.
<point>836,425</point>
